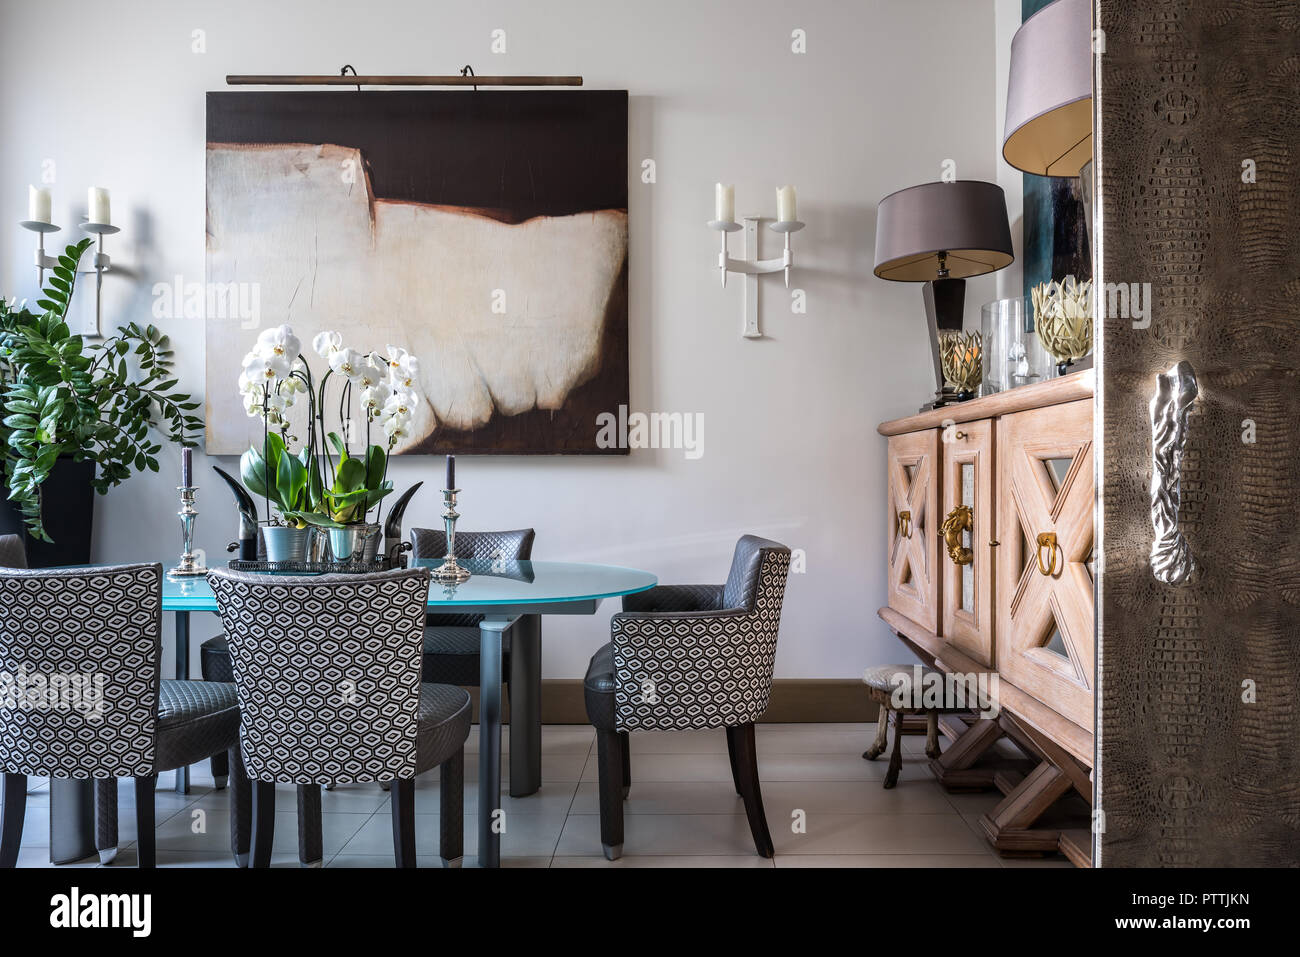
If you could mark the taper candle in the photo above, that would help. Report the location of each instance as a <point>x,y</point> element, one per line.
<point>785,204</point>
<point>97,206</point>
<point>38,204</point>
<point>724,203</point>
<point>451,471</point>
<point>187,466</point>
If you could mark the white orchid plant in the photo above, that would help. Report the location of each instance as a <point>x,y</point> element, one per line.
<point>323,483</point>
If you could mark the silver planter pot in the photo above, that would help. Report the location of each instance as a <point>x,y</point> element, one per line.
<point>355,543</point>
<point>285,544</point>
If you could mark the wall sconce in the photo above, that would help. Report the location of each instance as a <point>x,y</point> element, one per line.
<point>99,223</point>
<point>751,266</point>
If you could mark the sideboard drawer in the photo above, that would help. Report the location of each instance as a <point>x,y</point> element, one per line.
<point>966,532</point>
<point>913,524</point>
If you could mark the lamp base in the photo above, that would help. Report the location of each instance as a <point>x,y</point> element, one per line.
<point>945,306</point>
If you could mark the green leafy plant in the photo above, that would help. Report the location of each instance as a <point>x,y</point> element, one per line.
<point>359,485</point>
<point>289,482</point>
<point>60,396</point>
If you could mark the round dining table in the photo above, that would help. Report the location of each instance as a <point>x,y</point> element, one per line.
<point>511,596</point>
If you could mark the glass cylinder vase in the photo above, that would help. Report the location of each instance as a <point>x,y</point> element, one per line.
<point>1013,353</point>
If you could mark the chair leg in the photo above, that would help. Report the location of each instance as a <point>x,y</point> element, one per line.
<point>609,747</point>
<point>895,756</point>
<point>106,819</point>
<point>932,749</point>
<point>144,836</point>
<point>263,822</point>
<point>15,809</point>
<point>731,755</point>
<point>882,735</point>
<point>627,763</point>
<point>747,765</point>
<point>220,769</point>
<point>241,807</point>
<point>451,799</point>
<point>310,850</point>
<point>403,791</point>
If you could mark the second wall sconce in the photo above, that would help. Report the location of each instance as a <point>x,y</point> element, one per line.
<point>751,266</point>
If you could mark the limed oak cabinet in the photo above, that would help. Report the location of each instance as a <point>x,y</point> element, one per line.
<point>990,546</point>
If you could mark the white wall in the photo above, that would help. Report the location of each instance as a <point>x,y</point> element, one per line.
<point>887,91</point>
<point>1010,281</point>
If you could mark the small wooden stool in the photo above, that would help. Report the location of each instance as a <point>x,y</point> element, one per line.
<point>883,684</point>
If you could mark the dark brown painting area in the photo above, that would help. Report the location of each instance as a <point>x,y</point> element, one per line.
<point>508,154</point>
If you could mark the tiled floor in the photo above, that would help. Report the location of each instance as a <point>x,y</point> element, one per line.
<point>825,807</point>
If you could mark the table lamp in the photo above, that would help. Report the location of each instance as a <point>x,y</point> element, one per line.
<point>940,234</point>
<point>1048,130</point>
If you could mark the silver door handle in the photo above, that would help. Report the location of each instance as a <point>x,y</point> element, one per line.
<point>1171,557</point>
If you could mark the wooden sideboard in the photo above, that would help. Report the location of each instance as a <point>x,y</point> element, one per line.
<point>990,539</point>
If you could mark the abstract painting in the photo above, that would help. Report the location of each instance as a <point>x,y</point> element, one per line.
<point>484,231</point>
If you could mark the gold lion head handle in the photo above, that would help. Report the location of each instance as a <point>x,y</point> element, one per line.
<point>959,520</point>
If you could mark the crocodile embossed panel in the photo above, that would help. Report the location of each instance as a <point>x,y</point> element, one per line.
<point>1198,164</point>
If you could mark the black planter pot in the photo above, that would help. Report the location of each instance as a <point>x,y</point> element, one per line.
<point>69,511</point>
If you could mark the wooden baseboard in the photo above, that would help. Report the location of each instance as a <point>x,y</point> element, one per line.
<point>794,701</point>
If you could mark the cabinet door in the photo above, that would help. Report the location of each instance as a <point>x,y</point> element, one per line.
<point>1044,628</point>
<point>913,523</point>
<point>968,525</point>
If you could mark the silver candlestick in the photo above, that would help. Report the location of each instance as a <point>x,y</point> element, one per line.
<point>450,570</point>
<point>190,566</point>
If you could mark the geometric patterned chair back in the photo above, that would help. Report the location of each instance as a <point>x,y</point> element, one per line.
<point>80,652</point>
<point>711,669</point>
<point>327,671</point>
<point>513,545</point>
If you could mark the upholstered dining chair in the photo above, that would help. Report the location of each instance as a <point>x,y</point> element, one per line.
<point>687,657</point>
<point>451,642</point>
<point>95,634</point>
<point>327,670</point>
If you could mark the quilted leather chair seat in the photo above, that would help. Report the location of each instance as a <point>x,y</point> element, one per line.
<point>195,719</point>
<point>443,725</point>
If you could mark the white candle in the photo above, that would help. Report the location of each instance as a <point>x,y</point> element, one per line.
<point>97,206</point>
<point>724,203</point>
<point>785,208</point>
<point>38,204</point>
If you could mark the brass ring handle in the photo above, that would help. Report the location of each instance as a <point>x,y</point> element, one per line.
<point>1047,540</point>
<point>904,524</point>
<point>959,520</point>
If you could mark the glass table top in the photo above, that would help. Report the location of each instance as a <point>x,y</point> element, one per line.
<point>493,582</point>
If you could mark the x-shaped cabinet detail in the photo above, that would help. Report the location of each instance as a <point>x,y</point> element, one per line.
<point>1044,629</point>
<point>913,526</point>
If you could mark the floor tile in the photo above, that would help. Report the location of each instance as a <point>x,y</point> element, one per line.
<point>525,836</point>
<point>751,861</point>
<point>885,860</point>
<point>879,834</point>
<point>659,834</point>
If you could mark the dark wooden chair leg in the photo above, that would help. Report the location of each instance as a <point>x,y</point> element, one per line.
<point>451,808</point>
<point>263,822</point>
<point>15,810</point>
<point>747,768</point>
<point>627,763</point>
<point>144,837</point>
<point>310,850</point>
<point>403,791</point>
<point>106,819</point>
<point>241,808</point>
<point>220,769</point>
<point>896,756</point>
<point>609,748</point>
<point>731,755</point>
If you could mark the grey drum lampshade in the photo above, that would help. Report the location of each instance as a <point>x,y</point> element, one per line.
<point>964,222</point>
<point>1049,91</point>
